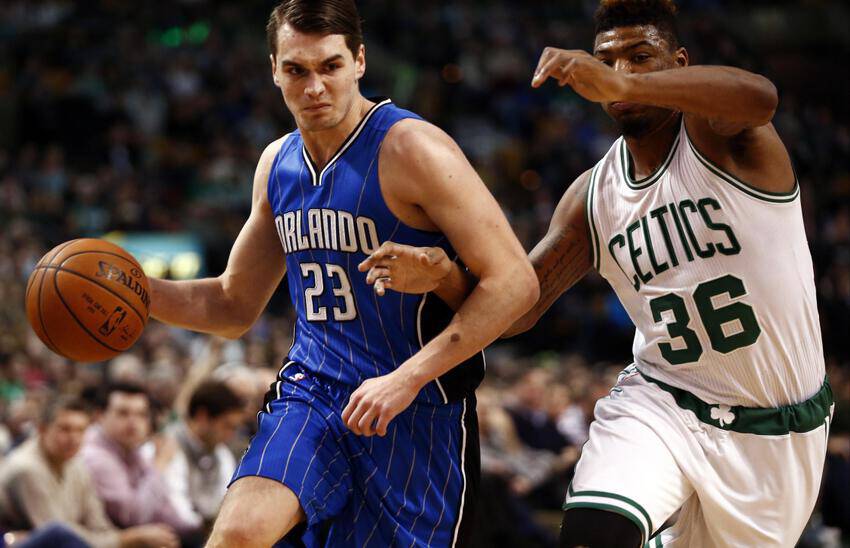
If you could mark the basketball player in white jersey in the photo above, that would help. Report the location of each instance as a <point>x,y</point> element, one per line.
<point>693,216</point>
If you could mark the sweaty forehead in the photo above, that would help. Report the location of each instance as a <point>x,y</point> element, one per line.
<point>622,38</point>
<point>308,48</point>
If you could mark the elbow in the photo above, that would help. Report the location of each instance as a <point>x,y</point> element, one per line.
<point>529,288</point>
<point>520,326</point>
<point>766,101</point>
<point>240,324</point>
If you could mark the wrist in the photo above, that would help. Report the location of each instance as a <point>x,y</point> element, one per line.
<point>631,88</point>
<point>452,269</point>
<point>411,376</point>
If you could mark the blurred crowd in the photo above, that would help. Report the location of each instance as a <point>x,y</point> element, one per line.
<point>150,117</point>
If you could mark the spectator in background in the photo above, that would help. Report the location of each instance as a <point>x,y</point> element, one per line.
<point>200,471</point>
<point>533,423</point>
<point>130,485</point>
<point>42,482</point>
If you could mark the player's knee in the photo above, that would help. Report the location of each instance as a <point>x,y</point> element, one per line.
<point>598,529</point>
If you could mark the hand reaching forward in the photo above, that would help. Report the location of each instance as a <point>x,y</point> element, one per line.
<point>587,75</point>
<point>405,268</point>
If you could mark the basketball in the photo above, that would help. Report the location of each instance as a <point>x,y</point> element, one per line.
<point>88,300</point>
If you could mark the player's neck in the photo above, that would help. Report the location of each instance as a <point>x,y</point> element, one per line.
<point>649,151</point>
<point>322,145</point>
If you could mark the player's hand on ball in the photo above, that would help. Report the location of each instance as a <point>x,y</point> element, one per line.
<point>376,402</point>
<point>587,75</point>
<point>405,268</point>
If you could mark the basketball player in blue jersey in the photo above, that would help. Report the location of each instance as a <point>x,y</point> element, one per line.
<point>368,437</point>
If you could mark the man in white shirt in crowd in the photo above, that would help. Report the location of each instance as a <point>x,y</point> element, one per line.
<point>199,472</point>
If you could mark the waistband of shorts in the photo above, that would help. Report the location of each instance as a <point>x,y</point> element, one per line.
<point>799,417</point>
<point>337,393</point>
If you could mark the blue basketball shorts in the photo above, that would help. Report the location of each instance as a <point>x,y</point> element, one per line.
<point>416,486</point>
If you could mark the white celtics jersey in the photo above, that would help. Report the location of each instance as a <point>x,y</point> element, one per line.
<point>715,274</point>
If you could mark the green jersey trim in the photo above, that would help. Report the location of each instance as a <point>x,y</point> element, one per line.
<point>626,165</point>
<point>746,188</point>
<point>594,235</point>
<point>585,499</point>
<point>800,417</point>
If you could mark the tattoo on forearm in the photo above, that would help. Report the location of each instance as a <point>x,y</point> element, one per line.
<point>563,265</point>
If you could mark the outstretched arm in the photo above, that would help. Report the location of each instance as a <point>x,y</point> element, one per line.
<point>423,167</point>
<point>230,304</point>
<point>727,110</point>
<point>559,260</point>
<point>729,96</point>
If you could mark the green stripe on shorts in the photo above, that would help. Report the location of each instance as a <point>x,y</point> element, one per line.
<point>632,515</point>
<point>801,417</point>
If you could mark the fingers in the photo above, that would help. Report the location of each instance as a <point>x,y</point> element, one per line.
<point>367,421</point>
<point>432,256</point>
<point>364,417</point>
<point>380,287</point>
<point>387,250</point>
<point>352,412</point>
<point>376,272</point>
<point>381,277</point>
<point>553,67</point>
<point>544,58</point>
<point>548,63</point>
<point>382,423</point>
<point>558,64</point>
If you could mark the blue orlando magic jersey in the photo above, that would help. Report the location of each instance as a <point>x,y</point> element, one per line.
<point>328,221</point>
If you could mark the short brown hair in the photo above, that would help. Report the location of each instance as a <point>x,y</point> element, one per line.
<point>626,13</point>
<point>60,404</point>
<point>216,398</point>
<point>317,17</point>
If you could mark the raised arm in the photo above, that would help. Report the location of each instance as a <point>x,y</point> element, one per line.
<point>423,168</point>
<point>728,95</point>
<point>727,110</point>
<point>230,304</point>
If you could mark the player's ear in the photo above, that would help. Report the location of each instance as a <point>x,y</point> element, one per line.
<point>682,58</point>
<point>360,62</point>
<point>274,69</point>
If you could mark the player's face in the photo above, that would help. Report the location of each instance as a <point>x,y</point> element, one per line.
<point>223,428</point>
<point>637,49</point>
<point>318,77</point>
<point>127,419</point>
<point>63,437</point>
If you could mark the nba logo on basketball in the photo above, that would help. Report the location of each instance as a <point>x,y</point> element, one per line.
<point>113,321</point>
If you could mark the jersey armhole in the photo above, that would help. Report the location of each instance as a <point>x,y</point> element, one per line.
<point>273,169</point>
<point>746,188</point>
<point>591,221</point>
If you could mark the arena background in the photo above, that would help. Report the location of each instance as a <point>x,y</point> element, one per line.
<point>144,121</point>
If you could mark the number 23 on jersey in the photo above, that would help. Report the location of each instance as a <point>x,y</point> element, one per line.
<point>346,310</point>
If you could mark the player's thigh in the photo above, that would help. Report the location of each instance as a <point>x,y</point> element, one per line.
<point>255,512</point>
<point>417,485</point>
<point>628,467</point>
<point>765,487</point>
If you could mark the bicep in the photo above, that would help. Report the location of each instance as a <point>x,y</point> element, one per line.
<point>456,200</point>
<point>256,263</point>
